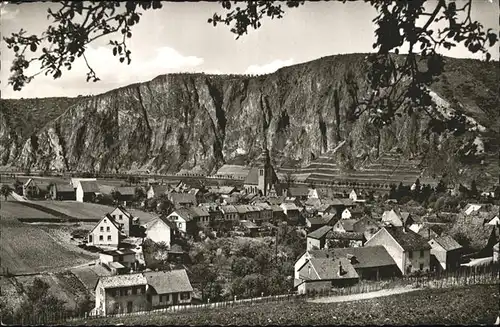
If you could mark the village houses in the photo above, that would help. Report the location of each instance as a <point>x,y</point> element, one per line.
<point>141,291</point>
<point>445,253</point>
<point>410,251</point>
<point>106,233</point>
<point>160,230</point>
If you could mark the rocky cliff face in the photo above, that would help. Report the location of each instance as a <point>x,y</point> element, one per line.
<point>198,122</point>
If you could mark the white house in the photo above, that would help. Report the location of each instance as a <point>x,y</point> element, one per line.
<point>313,194</point>
<point>106,233</point>
<point>160,230</point>
<point>410,251</point>
<point>470,208</point>
<point>124,219</point>
<point>86,191</point>
<point>353,195</point>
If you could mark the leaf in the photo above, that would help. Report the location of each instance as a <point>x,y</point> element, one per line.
<point>114,52</point>
<point>122,59</point>
<point>492,38</point>
<point>33,47</point>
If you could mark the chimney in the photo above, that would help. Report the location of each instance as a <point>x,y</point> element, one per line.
<point>341,270</point>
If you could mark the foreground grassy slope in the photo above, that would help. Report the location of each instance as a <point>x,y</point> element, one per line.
<point>462,305</point>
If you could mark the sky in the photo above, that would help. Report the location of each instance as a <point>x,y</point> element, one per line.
<point>178,38</point>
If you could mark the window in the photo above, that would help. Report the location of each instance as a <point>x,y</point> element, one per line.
<point>421,253</point>
<point>421,266</point>
<point>139,290</point>
<point>410,254</point>
<point>261,172</point>
<point>102,229</point>
<point>107,229</point>
<point>129,291</point>
<point>120,217</point>
<point>109,237</point>
<point>101,238</point>
<point>185,296</point>
<point>134,291</point>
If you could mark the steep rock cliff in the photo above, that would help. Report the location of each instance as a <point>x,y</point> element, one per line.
<point>198,122</point>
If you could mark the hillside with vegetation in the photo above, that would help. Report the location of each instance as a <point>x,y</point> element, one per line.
<point>197,122</point>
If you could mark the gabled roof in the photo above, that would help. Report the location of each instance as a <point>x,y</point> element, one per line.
<point>408,240</point>
<point>320,232</point>
<point>276,200</point>
<point>124,211</point>
<point>159,189</point>
<point>160,220</point>
<point>178,198</point>
<point>345,235</point>
<point>228,209</point>
<point>263,205</point>
<point>313,202</point>
<point>199,211</point>
<point>328,269</point>
<point>448,243</point>
<point>365,257</point>
<point>184,213</point>
<point>89,186</point>
<point>110,218</point>
<point>123,280</point>
<point>164,282</point>
<point>316,221</point>
<point>298,191</point>
<point>276,208</point>
<point>348,224</point>
<point>289,206</point>
<point>64,188</point>
<point>126,190</point>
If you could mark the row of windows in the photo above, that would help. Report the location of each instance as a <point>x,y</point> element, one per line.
<point>128,291</point>
<point>107,229</point>
<point>101,238</point>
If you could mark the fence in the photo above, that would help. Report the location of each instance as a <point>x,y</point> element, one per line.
<point>461,277</point>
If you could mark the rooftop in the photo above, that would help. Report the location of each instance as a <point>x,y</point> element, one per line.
<point>90,186</point>
<point>448,243</point>
<point>365,257</point>
<point>328,268</point>
<point>408,239</point>
<point>164,282</point>
<point>320,232</point>
<point>123,280</point>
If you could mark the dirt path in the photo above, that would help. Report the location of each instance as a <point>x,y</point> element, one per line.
<point>363,296</point>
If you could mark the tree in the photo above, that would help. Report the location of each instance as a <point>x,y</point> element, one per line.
<point>139,194</point>
<point>440,187</point>
<point>165,206</point>
<point>18,187</point>
<point>77,24</point>
<point>5,191</point>
<point>474,193</point>
<point>116,195</point>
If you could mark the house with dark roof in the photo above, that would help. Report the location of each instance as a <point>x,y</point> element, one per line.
<point>229,213</point>
<point>157,190</point>
<point>62,192</point>
<point>446,253</point>
<point>325,273</point>
<point>105,234</point>
<point>127,194</point>
<point>315,222</point>
<point>298,192</point>
<point>165,288</point>
<point>182,200</point>
<point>86,191</point>
<point>344,239</point>
<point>344,225</point>
<point>291,211</point>
<point>141,292</point>
<point>317,238</point>
<point>410,251</point>
<point>369,262</point>
<point>184,221</point>
<point>249,228</point>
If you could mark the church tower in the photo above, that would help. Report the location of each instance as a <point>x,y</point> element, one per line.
<point>266,176</point>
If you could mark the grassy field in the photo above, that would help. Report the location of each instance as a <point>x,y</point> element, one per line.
<point>77,210</point>
<point>89,275</point>
<point>30,248</point>
<point>465,305</point>
<point>14,209</point>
